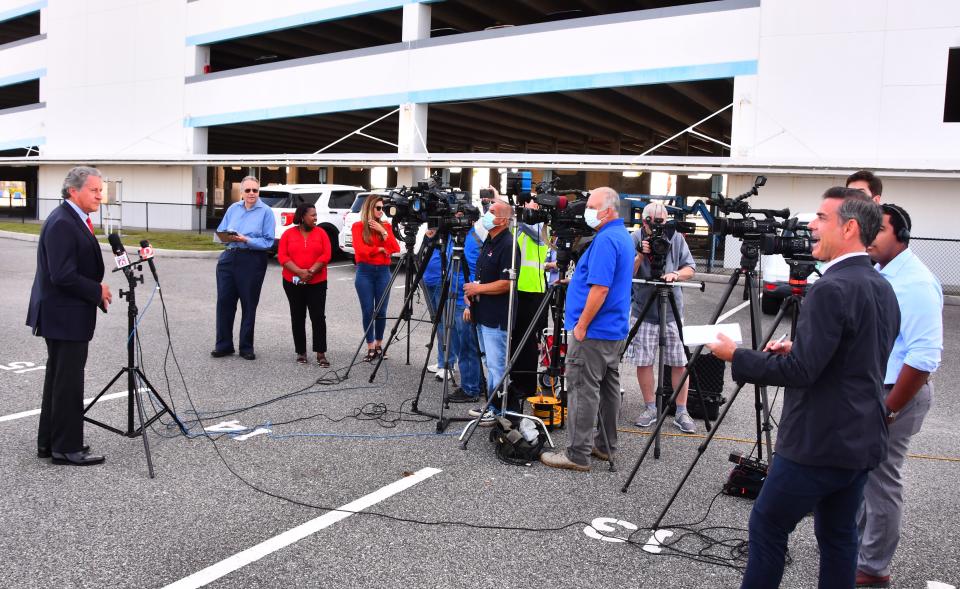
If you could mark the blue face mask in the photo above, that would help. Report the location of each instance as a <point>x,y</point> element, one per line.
<point>590,217</point>
<point>488,221</point>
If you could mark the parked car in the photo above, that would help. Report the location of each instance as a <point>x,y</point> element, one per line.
<point>332,201</point>
<point>776,277</point>
<point>346,236</point>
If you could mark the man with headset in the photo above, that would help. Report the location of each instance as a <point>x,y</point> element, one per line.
<point>915,356</point>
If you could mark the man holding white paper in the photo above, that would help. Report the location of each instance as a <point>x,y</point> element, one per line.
<point>833,427</point>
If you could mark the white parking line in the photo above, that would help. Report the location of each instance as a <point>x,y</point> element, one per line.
<point>23,414</point>
<point>255,553</point>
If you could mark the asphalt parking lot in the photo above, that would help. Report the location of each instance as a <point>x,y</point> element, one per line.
<point>342,445</point>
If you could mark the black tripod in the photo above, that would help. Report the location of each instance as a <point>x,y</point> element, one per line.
<point>409,265</point>
<point>134,376</point>
<point>447,309</point>
<point>749,256</point>
<point>664,295</point>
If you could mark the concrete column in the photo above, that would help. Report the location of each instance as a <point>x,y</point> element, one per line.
<point>412,126</point>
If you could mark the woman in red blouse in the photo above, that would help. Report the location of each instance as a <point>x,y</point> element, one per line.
<point>304,252</point>
<point>373,242</point>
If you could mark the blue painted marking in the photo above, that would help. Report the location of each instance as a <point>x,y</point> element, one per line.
<point>304,18</point>
<point>23,77</point>
<point>22,143</point>
<point>21,10</point>
<point>561,84</point>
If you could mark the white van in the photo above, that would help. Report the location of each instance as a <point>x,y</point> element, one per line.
<point>333,202</point>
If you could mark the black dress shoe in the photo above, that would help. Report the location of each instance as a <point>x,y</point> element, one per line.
<point>76,458</point>
<point>43,452</point>
<point>221,353</point>
<point>248,355</point>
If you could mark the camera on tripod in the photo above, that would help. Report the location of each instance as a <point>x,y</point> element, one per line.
<point>562,210</point>
<point>660,240</point>
<point>794,243</point>
<point>440,207</point>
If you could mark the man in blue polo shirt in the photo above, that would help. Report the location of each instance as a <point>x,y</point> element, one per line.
<point>598,311</point>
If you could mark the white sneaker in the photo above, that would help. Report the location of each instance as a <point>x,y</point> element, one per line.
<point>432,369</point>
<point>441,372</point>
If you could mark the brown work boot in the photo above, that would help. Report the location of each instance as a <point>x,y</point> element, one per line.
<point>600,454</point>
<point>560,460</point>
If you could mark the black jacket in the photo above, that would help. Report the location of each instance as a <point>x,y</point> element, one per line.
<point>833,411</point>
<point>66,288</point>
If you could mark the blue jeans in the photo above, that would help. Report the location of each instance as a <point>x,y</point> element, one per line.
<point>790,492</point>
<point>469,355</point>
<point>463,346</point>
<point>493,341</point>
<point>371,284</point>
<point>435,292</point>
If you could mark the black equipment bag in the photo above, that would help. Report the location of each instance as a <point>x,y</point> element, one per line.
<point>511,447</point>
<point>746,478</point>
<point>706,383</point>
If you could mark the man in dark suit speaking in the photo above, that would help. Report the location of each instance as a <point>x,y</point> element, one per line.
<point>833,429</point>
<point>63,310</point>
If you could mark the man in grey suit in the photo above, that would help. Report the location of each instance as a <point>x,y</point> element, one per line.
<point>67,290</point>
<point>833,428</point>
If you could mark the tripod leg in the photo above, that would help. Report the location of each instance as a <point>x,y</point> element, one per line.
<point>373,320</point>
<point>661,349</point>
<point>138,398</point>
<point>761,401</point>
<point>689,366</point>
<point>731,284</point>
<point>492,395</point>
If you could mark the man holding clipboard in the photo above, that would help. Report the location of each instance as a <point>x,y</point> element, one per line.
<point>248,230</point>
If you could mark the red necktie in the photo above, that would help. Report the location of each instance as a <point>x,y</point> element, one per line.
<point>90,225</point>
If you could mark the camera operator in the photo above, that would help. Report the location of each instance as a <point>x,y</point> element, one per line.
<point>833,427</point>
<point>915,356</point>
<point>678,265</point>
<point>488,297</point>
<point>598,301</point>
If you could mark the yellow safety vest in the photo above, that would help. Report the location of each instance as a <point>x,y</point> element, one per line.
<point>532,258</point>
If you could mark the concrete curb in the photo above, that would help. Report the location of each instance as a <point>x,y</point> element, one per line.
<point>164,253</point>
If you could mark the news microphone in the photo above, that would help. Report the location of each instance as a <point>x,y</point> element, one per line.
<point>119,252</point>
<point>146,253</point>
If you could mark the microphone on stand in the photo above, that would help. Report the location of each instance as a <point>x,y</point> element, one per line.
<point>119,253</point>
<point>146,253</point>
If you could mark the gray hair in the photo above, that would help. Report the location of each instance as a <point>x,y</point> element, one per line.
<point>858,206</point>
<point>653,209</point>
<point>77,177</point>
<point>254,178</point>
<point>611,200</point>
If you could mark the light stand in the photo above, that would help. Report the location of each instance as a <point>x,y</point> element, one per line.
<point>134,375</point>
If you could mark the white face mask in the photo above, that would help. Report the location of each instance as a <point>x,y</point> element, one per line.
<point>591,218</point>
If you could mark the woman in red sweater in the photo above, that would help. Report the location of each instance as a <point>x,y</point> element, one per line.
<point>304,252</point>
<point>373,242</point>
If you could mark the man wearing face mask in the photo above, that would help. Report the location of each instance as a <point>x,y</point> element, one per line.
<point>679,265</point>
<point>598,316</point>
<point>487,298</point>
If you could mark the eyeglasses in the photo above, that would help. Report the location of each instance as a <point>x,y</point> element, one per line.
<point>379,207</point>
<point>253,190</point>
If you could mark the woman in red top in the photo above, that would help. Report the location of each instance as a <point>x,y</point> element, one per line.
<point>373,242</point>
<point>304,252</point>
